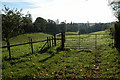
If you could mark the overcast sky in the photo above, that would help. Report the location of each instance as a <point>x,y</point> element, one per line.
<point>69,10</point>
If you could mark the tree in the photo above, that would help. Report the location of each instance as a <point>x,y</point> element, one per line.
<point>62,27</point>
<point>51,27</point>
<point>11,24</point>
<point>115,4</point>
<point>27,25</point>
<point>40,24</point>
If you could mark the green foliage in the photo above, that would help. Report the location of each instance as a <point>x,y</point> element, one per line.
<point>117,36</point>
<point>48,26</point>
<point>94,28</point>
<point>11,23</point>
<point>114,32</point>
<point>51,27</point>
<point>40,25</point>
<point>115,4</point>
<point>72,27</point>
<point>27,25</point>
<point>62,27</point>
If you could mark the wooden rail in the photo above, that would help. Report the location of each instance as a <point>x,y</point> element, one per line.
<point>51,41</point>
<point>22,44</point>
<point>26,43</point>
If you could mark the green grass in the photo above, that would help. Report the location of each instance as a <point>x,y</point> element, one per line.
<point>18,51</point>
<point>70,63</point>
<point>25,38</point>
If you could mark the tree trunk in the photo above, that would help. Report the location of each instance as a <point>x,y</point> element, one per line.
<point>117,36</point>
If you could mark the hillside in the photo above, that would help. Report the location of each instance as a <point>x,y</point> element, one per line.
<point>24,49</point>
<point>101,62</point>
<point>25,38</point>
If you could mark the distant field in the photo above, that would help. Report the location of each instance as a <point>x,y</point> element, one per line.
<point>70,63</point>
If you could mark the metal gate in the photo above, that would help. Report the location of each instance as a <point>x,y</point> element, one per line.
<point>88,41</point>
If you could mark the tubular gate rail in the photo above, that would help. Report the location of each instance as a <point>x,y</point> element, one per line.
<point>88,41</point>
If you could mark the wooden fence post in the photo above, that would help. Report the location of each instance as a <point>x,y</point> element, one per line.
<point>52,41</point>
<point>8,44</point>
<point>62,40</point>
<point>55,39</point>
<point>48,42</point>
<point>31,46</point>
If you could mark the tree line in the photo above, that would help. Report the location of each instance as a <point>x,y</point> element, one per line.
<point>52,27</point>
<point>47,26</point>
<point>86,28</point>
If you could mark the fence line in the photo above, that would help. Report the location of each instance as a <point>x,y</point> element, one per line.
<point>50,41</point>
<point>27,43</point>
<point>23,44</point>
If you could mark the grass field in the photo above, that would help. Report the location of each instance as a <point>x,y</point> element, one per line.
<point>101,62</point>
<point>21,50</point>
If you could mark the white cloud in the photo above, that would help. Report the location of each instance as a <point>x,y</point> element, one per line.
<point>71,10</point>
<point>12,0</point>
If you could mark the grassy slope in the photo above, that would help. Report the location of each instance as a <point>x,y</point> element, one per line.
<point>21,50</point>
<point>59,64</point>
<point>25,38</point>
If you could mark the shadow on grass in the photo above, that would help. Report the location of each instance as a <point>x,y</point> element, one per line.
<point>14,58</point>
<point>52,53</point>
<point>13,62</point>
<point>85,50</point>
<point>20,61</point>
<point>26,55</point>
<point>44,50</point>
<point>46,58</point>
<point>7,59</point>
